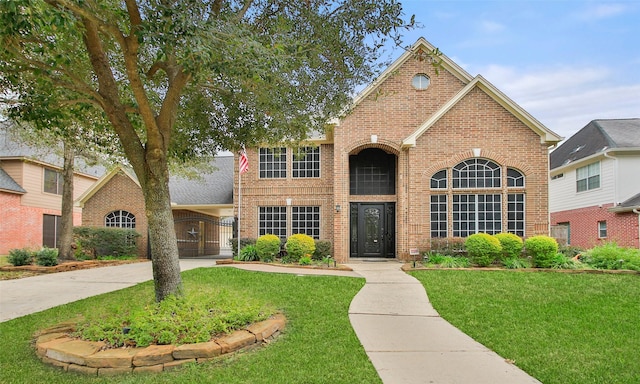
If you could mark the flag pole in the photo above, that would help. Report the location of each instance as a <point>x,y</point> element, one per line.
<point>239,202</point>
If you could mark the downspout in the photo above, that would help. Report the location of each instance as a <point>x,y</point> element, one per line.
<point>637,212</point>
<point>615,177</point>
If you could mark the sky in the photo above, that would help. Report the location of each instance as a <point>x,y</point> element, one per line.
<point>566,62</point>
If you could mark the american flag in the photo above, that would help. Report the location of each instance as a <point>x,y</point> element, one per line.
<point>244,162</point>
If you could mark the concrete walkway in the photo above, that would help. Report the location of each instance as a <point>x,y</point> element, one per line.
<point>404,337</point>
<point>408,342</point>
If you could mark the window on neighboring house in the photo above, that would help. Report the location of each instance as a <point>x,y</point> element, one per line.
<point>439,216</point>
<point>272,220</point>
<point>588,177</point>
<point>476,173</point>
<point>602,229</point>
<point>53,182</point>
<point>439,180</point>
<point>51,230</point>
<point>120,219</point>
<point>306,162</point>
<point>306,220</point>
<point>273,163</point>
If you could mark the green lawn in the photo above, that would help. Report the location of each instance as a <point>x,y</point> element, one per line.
<point>560,328</point>
<point>317,346</point>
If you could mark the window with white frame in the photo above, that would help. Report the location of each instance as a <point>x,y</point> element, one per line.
<point>602,229</point>
<point>439,180</point>
<point>306,220</point>
<point>439,215</point>
<point>272,220</point>
<point>306,162</point>
<point>476,173</point>
<point>120,219</point>
<point>477,213</point>
<point>515,214</point>
<point>53,181</point>
<point>515,178</point>
<point>588,177</point>
<point>273,163</point>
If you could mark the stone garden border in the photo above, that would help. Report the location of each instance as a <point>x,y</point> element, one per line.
<point>55,347</point>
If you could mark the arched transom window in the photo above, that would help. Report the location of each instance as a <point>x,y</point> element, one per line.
<point>120,219</point>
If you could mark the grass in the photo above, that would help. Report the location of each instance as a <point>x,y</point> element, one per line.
<point>560,328</point>
<point>318,344</point>
<point>9,275</point>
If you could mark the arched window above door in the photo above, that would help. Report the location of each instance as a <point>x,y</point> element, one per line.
<point>372,172</point>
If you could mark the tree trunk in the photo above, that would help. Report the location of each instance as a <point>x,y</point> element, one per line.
<point>65,251</point>
<point>162,234</point>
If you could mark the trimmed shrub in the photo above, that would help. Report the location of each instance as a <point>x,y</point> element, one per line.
<point>268,247</point>
<point>323,249</point>
<point>483,249</point>
<point>18,257</point>
<point>248,253</point>
<point>47,257</point>
<point>299,245</point>
<point>511,245</point>
<point>542,250</point>
<point>243,243</point>
<point>96,242</point>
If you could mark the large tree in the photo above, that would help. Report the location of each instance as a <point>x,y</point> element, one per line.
<point>178,79</point>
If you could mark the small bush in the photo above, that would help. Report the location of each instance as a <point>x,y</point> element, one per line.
<point>516,263</point>
<point>268,247</point>
<point>18,257</point>
<point>483,249</point>
<point>323,249</point>
<point>248,253</point>
<point>542,250</point>
<point>47,257</point>
<point>305,260</point>
<point>560,261</point>
<point>511,245</point>
<point>94,242</point>
<point>569,251</point>
<point>299,245</point>
<point>610,256</point>
<point>243,242</point>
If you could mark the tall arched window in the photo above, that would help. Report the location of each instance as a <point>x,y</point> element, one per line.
<point>120,219</point>
<point>372,172</point>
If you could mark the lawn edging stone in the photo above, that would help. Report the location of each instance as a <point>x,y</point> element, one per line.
<point>93,358</point>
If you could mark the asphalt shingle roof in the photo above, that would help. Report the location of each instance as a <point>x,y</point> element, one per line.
<point>7,183</point>
<point>597,136</point>
<point>632,202</point>
<point>214,187</point>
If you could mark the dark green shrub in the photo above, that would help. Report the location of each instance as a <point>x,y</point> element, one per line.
<point>248,253</point>
<point>299,245</point>
<point>95,242</point>
<point>511,245</point>
<point>483,249</point>
<point>268,247</point>
<point>610,256</point>
<point>243,242</point>
<point>323,249</point>
<point>542,249</point>
<point>47,257</point>
<point>18,257</point>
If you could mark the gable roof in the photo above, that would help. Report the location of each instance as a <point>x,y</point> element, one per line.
<point>598,136</point>
<point>632,204</point>
<point>8,184</point>
<point>546,135</point>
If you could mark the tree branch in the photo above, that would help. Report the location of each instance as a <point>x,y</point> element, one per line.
<point>245,8</point>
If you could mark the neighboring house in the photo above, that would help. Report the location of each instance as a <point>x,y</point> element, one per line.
<point>595,184</point>
<point>31,195</point>
<point>199,205</point>
<point>421,155</point>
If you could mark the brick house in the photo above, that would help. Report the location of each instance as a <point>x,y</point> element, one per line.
<point>421,155</point>
<point>31,194</point>
<point>594,187</point>
<point>199,207</point>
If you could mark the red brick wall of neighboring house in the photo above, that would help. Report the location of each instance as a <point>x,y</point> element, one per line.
<point>622,228</point>
<point>21,226</point>
<point>119,193</point>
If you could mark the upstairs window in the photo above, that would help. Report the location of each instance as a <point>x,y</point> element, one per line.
<point>476,173</point>
<point>588,177</point>
<point>439,180</point>
<point>53,182</point>
<point>514,178</point>
<point>372,172</point>
<point>306,162</point>
<point>273,163</point>
<point>120,219</point>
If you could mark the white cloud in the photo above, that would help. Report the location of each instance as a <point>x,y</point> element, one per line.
<point>601,11</point>
<point>491,27</point>
<point>566,99</point>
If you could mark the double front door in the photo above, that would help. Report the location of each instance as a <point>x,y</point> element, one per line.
<point>372,230</point>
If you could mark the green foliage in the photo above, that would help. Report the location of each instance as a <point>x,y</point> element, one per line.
<point>189,319</point>
<point>516,263</point>
<point>451,246</point>
<point>96,242</point>
<point>610,256</point>
<point>243,243</point>
<point>560,261</point>
<point>511,245</point>
<point>18,257</point>
<point>483,249</point>
<point>569,250</point>
<point>299,245</point>
<point>323,249</point>
<point>248,253</point>
<point>445,261</point>
<point>542,249</point>
<point>305,260</point>
<point>47,257</point>
<point>268,247</point>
